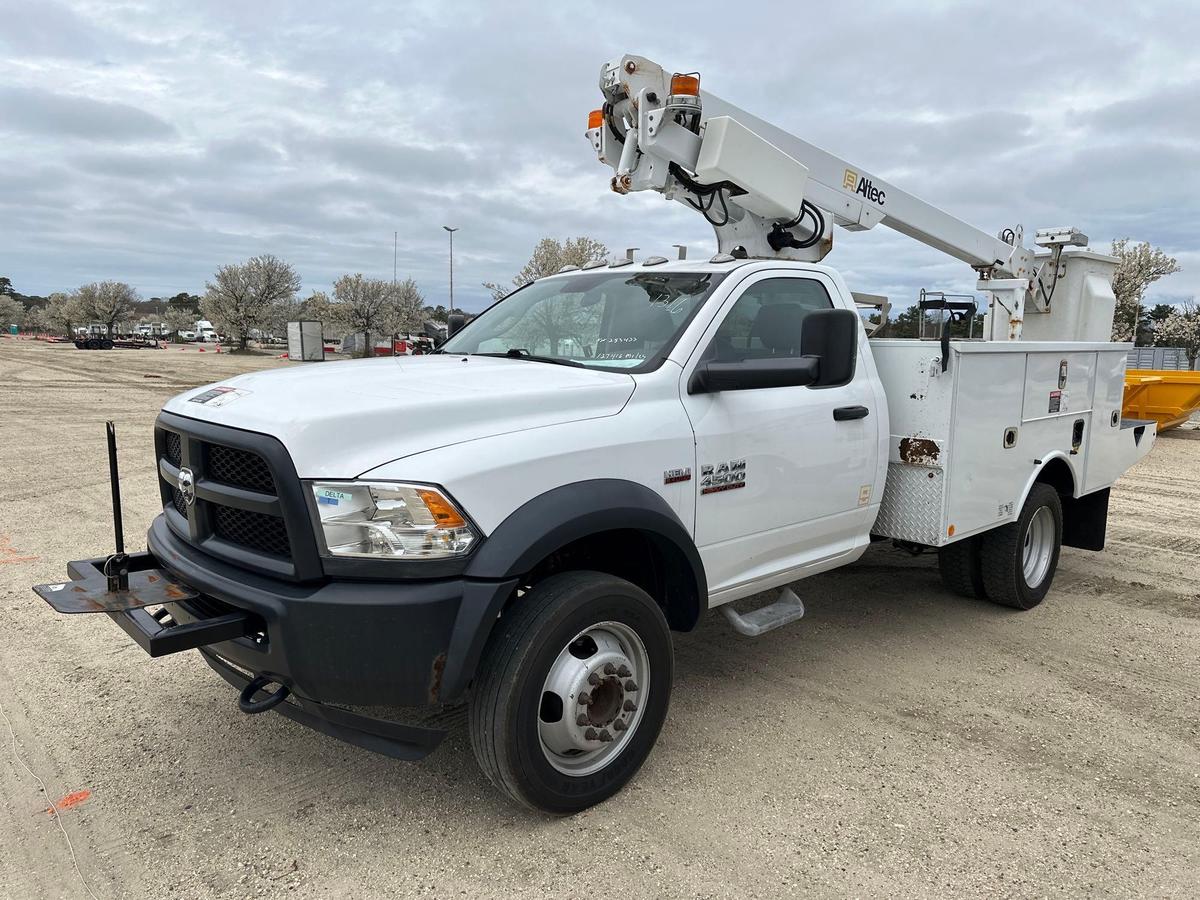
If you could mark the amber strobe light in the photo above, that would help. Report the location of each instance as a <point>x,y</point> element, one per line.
<point>595,118</point>
<point>686,84</point>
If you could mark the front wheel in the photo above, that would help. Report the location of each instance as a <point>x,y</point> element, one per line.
<point>1018,561</point>
<point>572,691</point>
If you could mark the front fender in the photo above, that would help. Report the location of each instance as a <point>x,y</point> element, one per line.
<point>554,519</point>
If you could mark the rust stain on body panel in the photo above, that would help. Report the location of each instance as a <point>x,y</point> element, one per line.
<point>919,451</point>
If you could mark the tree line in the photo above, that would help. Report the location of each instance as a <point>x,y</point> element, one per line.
<point>244,301</point>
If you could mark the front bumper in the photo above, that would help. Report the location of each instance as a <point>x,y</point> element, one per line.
<point>349,643</point>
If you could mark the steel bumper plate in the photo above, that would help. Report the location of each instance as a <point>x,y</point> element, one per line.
<point>149,587</point>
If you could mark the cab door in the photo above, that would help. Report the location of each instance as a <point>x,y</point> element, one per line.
<point>785,474</point>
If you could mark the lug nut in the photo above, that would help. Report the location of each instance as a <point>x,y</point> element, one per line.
<point>624,672</point>
<point>631,686</point>
<point>591,735</point>
<point>605,736</point>
<point>629,706</point>
<point>610,669</point>
<point>594,679</point>
<point>585,699</point>
<point>619,725</point>
<point>582,719</point>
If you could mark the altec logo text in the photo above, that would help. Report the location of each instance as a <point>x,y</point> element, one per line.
<point>852,182</point>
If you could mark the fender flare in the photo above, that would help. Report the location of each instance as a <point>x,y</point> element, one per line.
<point>554,519</point>
<point>535,530</point>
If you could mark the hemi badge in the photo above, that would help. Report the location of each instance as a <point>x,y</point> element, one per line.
<point>674,476</point>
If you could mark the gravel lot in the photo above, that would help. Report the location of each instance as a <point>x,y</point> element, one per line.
<point>897,741</point>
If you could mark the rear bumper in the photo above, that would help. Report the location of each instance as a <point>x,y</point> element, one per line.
<point>361,643</point>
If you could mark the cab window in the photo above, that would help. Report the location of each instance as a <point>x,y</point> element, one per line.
<point>766,320</point>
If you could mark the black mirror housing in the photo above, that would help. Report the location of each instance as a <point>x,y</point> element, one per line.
<point>454,324</point>
<point>832,336</point>
<point>712,377</point>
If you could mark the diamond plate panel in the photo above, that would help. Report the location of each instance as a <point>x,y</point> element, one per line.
<point>911,508</point>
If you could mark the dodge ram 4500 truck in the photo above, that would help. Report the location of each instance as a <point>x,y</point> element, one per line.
<point>521,519</point>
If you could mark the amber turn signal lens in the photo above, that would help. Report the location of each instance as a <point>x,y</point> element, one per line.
<point>685,84</point>
<point>444,514</point>
<point>595,119</point>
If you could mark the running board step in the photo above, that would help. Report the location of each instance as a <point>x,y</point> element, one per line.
<point>787,608</point>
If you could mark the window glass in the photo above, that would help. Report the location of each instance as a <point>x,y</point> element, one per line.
<point>607,319</point>
<point>766,320</point>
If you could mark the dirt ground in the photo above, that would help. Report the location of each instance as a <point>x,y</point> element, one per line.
<point>897,741</point>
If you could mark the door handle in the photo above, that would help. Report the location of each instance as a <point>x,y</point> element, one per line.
<point>845,413</point>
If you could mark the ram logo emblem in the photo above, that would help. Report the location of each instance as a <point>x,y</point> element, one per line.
<point>186,482</point>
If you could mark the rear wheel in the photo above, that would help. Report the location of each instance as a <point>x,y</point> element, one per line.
<point>962,568</point>
<point>1019,560</point>
<point>572,691</point>
<point>93,344</point>
<point>106,344</point>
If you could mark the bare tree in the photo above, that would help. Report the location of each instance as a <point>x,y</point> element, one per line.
<point>410,308</point>
<point>64,312</point>
<point>366,306</point>
<point>179,318</point>
<point>35,320</point>
<point>107,302</point>
<point>1181,328</point>
<point>12,311</point>
<point>1140,266</point>
<point>252,295</point>
<point>549,256</point>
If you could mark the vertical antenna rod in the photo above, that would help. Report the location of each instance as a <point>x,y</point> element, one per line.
<point>116,485</point>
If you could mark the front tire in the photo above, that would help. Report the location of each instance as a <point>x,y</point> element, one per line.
<point>572,691</point>
<point>1019,560</point>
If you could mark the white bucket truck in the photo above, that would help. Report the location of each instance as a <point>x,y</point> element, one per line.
<point>522,518</point>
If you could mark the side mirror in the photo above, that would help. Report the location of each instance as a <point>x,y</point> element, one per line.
<point>749,374</point>
<point>454,324</point>
<point>832,336</point>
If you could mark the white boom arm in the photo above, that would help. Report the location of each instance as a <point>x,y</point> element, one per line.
<point>769,194</point>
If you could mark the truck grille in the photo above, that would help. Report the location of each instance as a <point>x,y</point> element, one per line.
<point>240,468</point>
<point>248,508</point>
<point>266,534</point>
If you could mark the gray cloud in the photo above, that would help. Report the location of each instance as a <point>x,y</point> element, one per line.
<point>153,142</point>
<point>34,112</point>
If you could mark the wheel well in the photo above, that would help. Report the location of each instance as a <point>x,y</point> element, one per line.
<point>1085,519</point>
<point>1057,474</point>
<point>644,558</point>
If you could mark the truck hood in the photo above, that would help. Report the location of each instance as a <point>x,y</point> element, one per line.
<point>340,419</point>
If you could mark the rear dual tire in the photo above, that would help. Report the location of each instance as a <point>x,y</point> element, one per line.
<point>1012,565</point>
<point>534,737</point>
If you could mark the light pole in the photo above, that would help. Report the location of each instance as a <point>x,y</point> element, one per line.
<point>451,230</point>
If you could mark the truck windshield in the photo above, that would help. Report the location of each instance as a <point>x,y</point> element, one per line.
<point>603,320</point>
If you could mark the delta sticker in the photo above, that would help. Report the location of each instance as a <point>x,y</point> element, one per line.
<point>331,497</point>
<point>1055,404</point>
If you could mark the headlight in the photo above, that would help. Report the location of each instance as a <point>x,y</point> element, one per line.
<point>381,519</point>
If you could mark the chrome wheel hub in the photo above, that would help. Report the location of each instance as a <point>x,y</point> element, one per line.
<point>1038,547</point>
<point>593,698</point>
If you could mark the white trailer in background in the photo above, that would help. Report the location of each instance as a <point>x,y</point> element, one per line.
<point>305,341</point>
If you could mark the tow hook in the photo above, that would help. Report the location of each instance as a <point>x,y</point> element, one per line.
<point>250,706</point>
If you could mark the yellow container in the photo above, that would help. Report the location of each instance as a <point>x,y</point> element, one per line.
<point>1167,397</point>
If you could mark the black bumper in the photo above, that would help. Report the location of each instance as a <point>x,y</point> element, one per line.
<point>351,643</point>
<point>361,643</point>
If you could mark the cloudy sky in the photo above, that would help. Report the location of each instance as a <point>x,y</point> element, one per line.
<point>151,142</point>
